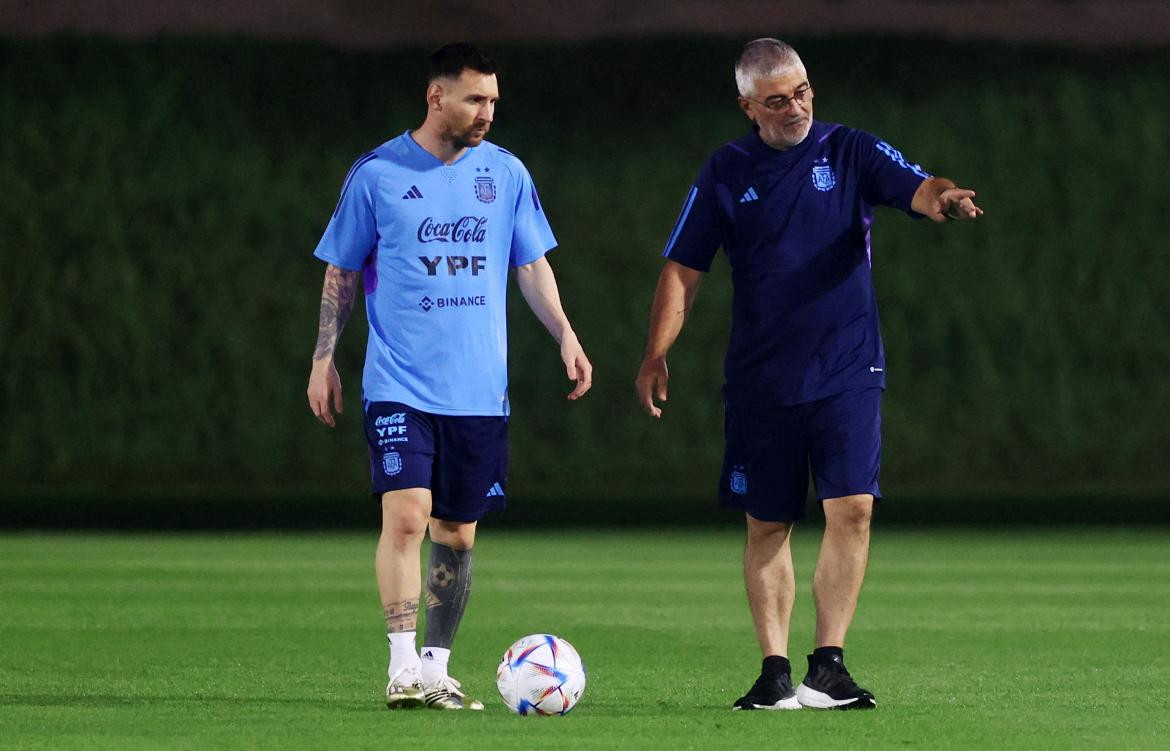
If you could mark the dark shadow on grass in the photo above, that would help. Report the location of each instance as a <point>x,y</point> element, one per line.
<point>114,700</point>
<point>157,513</point>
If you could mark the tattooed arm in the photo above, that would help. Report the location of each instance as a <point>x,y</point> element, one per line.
<point>337,300</point>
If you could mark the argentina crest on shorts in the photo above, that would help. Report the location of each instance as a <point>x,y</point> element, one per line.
<point>485,189</point>
<point>392,463</point>
<point>822,175</point>
<point>739,481</point>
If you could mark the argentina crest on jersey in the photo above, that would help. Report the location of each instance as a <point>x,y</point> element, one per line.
<point>822,175</point>
<point>485,189</point>
<point>392,463</point>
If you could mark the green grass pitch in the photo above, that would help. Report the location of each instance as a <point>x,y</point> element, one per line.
<point>969,639</point>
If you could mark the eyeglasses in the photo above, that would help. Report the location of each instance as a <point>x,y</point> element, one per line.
<point>779,103</point>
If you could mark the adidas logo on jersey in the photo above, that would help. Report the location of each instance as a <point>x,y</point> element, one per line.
<point>414,192</point>
<point>749,196</point>
<point>494,491</point>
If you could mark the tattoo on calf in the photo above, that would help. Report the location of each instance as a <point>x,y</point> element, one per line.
<point>441,575</point>
<point>401,616</point>
<point>448,587</point>
<point>337,301</point>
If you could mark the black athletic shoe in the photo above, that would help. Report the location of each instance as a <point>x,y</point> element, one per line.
<point>772,690</point>
<point>828,685</point>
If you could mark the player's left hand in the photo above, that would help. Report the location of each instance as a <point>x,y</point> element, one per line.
<point>324,387</point>
<point>577,366</point>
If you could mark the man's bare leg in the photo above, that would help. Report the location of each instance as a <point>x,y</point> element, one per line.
<point>405,514</point>
<point>448,587</point>
<point>836,586</point>
<point>771,588</point>
<point>841,566</point>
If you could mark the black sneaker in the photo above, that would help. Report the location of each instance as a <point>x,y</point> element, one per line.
<point>828,685</point>
<point>772,690</point>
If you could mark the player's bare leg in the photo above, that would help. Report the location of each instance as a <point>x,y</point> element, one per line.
<point>771,589</point>
<point>841,566</point>
<point>396,562</point>
<point>448,587</point>
<point>836,586</point>
<point>771,586</point>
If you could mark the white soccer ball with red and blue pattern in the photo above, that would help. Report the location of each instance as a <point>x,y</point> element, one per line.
<point>541,674</point>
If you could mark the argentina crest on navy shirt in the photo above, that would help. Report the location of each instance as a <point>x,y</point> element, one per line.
<point>435,243</point>
<point>795,228</point>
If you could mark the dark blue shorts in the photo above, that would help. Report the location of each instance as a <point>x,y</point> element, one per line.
<point>770,450</point>
<point>463,461</point>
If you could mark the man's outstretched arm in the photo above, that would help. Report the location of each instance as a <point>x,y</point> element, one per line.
<point>942,201</point>
<point>677,287</point>
<point>337,300</point>
<point>539,287</point>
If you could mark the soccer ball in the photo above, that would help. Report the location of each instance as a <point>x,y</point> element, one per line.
<point>541,674</point>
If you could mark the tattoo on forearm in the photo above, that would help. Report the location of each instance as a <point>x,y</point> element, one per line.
<point>401,616</point>
<point>337,299</point>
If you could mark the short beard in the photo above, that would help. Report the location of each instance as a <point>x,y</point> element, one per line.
<point>460,140</point>
<point>782,140</point>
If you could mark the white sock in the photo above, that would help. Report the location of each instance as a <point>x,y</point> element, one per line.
<point>434,664</point>
<point>402,652</point>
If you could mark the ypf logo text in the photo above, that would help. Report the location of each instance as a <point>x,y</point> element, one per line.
<point>454,264</point>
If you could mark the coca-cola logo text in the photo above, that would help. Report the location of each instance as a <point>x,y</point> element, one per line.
<point>468,229</point>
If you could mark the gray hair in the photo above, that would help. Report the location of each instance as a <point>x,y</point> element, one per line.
<point>763,58</point>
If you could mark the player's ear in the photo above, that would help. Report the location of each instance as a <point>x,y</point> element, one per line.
<point>435,96</point>
<point>744,104</point>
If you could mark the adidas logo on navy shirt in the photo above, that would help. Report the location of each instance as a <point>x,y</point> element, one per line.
<point>494,491</point>
<point>749,196</point>
<point>414,192</point>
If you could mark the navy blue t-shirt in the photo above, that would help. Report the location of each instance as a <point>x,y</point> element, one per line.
<point>795,227</point>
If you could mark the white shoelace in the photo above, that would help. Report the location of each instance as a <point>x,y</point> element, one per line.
<point>407,676</point>
<point>450,685</point>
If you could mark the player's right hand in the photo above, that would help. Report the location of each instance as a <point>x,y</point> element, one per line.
<point>324,386</point>
<point>651,383</point>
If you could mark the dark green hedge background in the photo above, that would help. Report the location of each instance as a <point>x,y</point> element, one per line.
<point>159,203</point>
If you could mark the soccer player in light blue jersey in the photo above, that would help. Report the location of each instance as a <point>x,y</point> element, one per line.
<point>791,204</point>
<point>432,221</point>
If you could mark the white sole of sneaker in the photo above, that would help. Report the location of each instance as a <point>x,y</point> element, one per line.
<point>790,703</point>
<point>814,699</point>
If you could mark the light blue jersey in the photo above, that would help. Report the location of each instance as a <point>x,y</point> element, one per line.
<point>434,243</point>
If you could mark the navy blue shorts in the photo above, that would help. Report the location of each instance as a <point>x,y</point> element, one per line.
<point>463,461</point>
<point>770,450</point>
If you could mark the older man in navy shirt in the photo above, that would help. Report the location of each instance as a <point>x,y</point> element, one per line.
<point>791,204</point>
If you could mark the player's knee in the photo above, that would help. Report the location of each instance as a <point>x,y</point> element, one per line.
<point>853,512</point>
<point>763,531</point>
<point>458,535</point>
<point>404,528</point>
<point>405,517</point>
